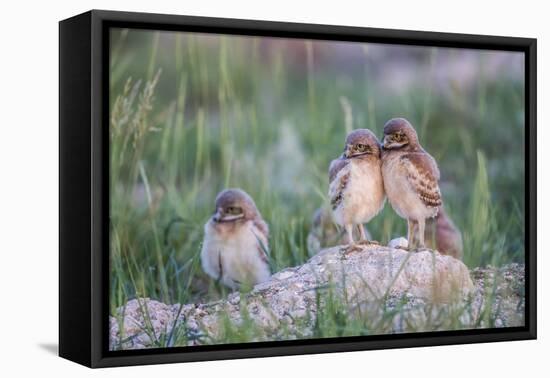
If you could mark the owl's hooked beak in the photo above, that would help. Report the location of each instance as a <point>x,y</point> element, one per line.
<point>217,215</point>
<point>347,151</point>
<point>385,142</point>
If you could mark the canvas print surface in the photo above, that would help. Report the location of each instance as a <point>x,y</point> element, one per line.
<point>268,189</point>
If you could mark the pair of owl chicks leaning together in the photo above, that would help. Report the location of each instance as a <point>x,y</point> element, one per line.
<point>235,245</point>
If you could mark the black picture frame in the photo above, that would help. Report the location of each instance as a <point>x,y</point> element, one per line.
<point>84,193</point>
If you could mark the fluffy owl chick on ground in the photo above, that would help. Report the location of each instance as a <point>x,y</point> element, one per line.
<point>411,179</point>
<point>235,245</point>
<point>326,233</point>
<point>356,189</point>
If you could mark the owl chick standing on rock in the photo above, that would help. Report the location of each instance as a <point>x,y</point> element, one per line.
<point>411,179</point>
<point>356,189</point>
<point>235,245</point>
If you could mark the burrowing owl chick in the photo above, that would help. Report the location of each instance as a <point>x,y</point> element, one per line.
<point>235,245</point>
<point>411,178</point>
<point>356,190</point>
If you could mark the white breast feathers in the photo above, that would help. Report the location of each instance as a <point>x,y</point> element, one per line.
<point>235,254</point>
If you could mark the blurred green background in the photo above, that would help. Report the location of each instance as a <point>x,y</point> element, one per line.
<point>192,114</point>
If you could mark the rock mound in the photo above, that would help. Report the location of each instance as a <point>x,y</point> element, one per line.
<point>375,290</point>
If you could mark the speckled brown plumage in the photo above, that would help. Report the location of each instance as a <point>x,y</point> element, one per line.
<point>411,178</point>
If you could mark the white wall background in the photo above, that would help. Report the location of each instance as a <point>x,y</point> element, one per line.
<point>29,189</point>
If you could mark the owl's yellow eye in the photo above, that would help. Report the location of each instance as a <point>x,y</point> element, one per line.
<point>361,147</point>
<point>233,210</point>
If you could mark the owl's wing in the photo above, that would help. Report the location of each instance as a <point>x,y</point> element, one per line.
<point>335,166</point>
<point>261,231</point>
<point>338,174</point>
<point>423,176</point>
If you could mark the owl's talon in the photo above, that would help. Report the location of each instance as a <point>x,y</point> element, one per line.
<point>368,242</point>
<point>350,248</point>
